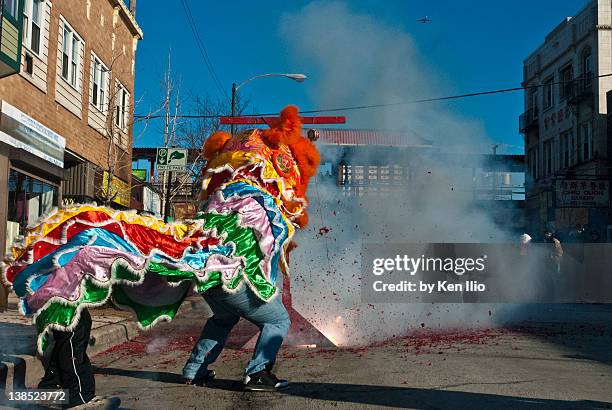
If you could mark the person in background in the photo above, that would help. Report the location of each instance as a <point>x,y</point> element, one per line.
<point>552,277</point>
<point>577,235</point>
<point>525,241</point>
<point>556,252</point>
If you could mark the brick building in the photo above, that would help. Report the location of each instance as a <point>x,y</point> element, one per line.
<point>66,106</point>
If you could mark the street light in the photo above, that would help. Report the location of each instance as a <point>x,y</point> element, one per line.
<point>294,76</point>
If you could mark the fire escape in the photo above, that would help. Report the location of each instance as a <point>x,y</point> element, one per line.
<point>580,89</point>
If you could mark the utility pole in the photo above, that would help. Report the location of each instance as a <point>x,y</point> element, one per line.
<point>172,137</point>
<point>166,177</point>
<point>167,194</point>
<point>233,107</point>
<point>293,76</point>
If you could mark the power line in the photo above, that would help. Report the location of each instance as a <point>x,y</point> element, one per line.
<point>394,104</point>
<point>202,47</point>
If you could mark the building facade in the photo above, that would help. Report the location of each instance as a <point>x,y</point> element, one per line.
<point>145,198</point>
<point>565,128</point>
<point>67,109</point>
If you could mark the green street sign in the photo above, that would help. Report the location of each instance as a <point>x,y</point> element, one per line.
<point>171,159</point>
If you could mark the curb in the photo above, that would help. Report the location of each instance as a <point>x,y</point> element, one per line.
<point>17,371</point>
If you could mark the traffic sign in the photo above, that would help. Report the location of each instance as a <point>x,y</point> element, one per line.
<point>171,159</point>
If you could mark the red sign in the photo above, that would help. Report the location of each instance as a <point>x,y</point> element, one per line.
<point>268,120</point>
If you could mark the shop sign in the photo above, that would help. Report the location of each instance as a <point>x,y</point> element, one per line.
<point>582,193</point>
<point>120,190</point>
<point>22,131</point>
<point>140,174</point>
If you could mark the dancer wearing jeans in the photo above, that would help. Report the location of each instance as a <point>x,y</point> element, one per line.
<point>272,320</point>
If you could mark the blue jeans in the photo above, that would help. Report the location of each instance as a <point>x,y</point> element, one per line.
<point>270,317</point>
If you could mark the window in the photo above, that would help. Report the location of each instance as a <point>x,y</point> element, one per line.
<point>586,141</point>
<point>32,24</point>
<point>548,93</point>
<point>565,149</point>
<point>548,157</point>
<point>587,67</point>
<point>567,75</point>
<point>28,199</point>
<point>587,62</point>
<point>99,83</point>
<point>573,153</point>
<point>533,102</point>
<point>29,63</point>
<point>121,107</point>
<point>71,52</point>
<point>11,7</point>
<point>534,163</point>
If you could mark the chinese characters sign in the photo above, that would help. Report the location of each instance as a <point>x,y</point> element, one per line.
<point>581,193</point>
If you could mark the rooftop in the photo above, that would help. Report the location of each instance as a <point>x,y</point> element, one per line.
<point>129,18</point>
<point>342,136</point>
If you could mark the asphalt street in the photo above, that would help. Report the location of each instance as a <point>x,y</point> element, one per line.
<point>555,366</point>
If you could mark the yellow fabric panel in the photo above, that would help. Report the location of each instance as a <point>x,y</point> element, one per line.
<point>178,230</point>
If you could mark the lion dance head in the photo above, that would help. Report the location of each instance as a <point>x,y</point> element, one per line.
<point>278,160</point>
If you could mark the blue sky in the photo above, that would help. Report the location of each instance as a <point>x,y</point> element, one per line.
<point>471,46</point>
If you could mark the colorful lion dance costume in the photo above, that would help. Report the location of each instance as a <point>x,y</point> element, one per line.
<point>254,195</point>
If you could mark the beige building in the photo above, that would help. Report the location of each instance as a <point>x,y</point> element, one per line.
<point>567,142</point>
<point>67,109</point>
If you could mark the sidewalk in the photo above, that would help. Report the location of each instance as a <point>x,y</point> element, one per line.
<point>19,364</point>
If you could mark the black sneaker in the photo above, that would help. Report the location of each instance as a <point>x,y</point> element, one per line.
<point>199,381</point>
<point>264,380</point>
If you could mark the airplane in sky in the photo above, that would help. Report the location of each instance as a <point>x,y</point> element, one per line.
<point>424,20</point>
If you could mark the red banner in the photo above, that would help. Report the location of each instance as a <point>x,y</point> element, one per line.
<point>267,120</point>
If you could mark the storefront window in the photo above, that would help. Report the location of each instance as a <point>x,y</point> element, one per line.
<point>28,199</point>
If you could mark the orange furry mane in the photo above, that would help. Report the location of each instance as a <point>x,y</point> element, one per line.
<point>287,129</point>
<point>215,143</point>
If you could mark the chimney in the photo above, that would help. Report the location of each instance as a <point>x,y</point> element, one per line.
<point>133,7</point>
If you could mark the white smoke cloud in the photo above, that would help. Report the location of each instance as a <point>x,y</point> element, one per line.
<point>359,60</point>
